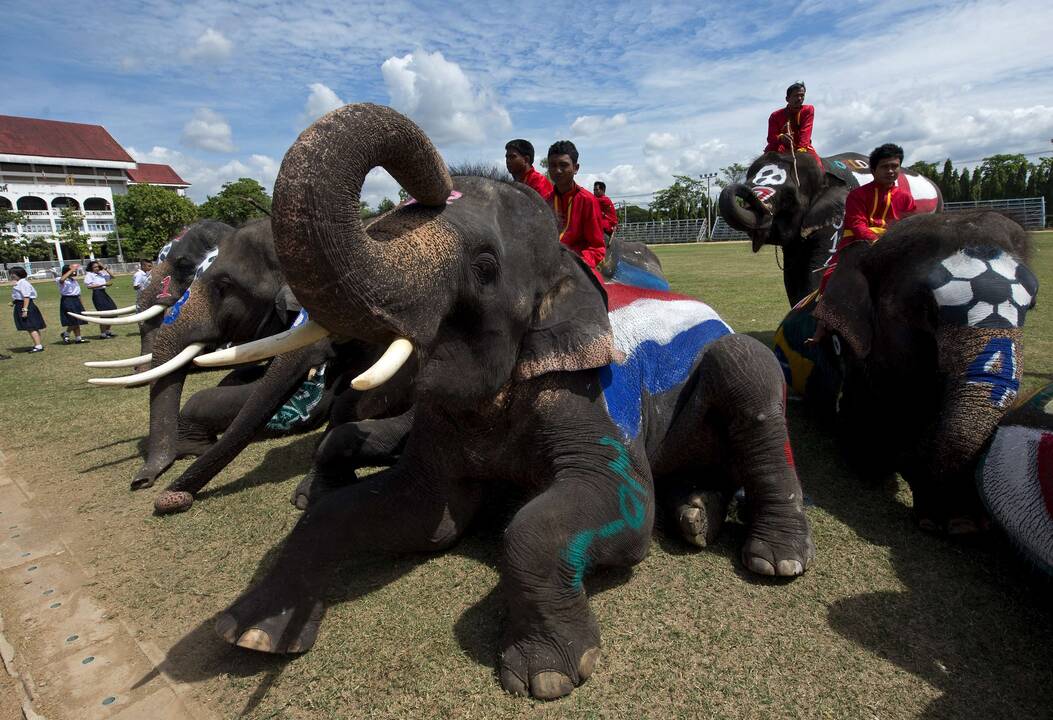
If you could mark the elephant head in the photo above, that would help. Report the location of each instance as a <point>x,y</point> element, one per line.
<point>239,296</point>
<point>470,274</point>
<point>932,317</point>
<point>181,260</point>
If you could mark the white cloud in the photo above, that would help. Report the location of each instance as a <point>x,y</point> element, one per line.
<point>208,131</point>
<point>321,100</point>
<point>379,185</point>
<point>439,97</point>
<point>207,178</point>
<point>586,125</point>
<point>210,47</point>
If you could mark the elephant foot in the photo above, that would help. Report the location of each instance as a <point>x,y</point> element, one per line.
<point>964,526</point>
<point>172,501</point>
<point>700,516</point>
<point>265,623</point>
<point>143,479</point>
<point>779,543</point>
<point>548,665</point>
<point>314,485</point>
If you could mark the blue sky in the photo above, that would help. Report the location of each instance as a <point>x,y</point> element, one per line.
<point>219,89</point>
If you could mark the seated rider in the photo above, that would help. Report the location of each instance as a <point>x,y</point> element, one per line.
<point>872,208</point>
<point>608,215</point>
<point>577,210</point>
<point>790,128</point>
<point>519,160</point>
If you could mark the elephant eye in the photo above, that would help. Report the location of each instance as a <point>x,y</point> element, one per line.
<point>485,267</point>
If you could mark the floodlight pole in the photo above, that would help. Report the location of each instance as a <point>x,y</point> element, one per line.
<point>709,204</point>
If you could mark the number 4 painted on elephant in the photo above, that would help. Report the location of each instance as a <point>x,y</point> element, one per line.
<point>996,366</point>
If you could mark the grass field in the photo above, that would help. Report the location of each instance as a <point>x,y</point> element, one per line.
<point>889,623</point>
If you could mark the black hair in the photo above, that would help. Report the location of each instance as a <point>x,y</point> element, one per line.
<point>65,269</point>
<point>93,263</point>
<point>145,259</point>
<point>523,147</point>
<point>883,152</point>
<point>799,85</point>
<point>601,185</point>
<point>18,272</point>
<point>564,147</point>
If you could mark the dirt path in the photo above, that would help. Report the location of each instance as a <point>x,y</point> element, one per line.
<point>67,655</point>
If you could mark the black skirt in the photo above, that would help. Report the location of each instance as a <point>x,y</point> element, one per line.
<point>102,300</point>
<point>33,319</point>
<point>68,304</point>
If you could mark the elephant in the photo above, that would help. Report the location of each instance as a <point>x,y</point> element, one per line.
<point>1015,478</point>
<point>925,330</point>
<point>792,202</point>
<point>530,376</point>
<point>182,259</point>
<point>632,263</point>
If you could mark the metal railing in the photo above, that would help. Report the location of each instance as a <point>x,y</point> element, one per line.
<point>1029,212</point>
<point>664,231</point>
<point>723,231</point>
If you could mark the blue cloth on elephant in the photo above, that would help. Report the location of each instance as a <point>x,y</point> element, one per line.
<point>297,409</point>
<point>813,371</point>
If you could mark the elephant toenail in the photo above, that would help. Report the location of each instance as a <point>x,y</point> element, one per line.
<point>549,685</point>
<point>514,684</point>
<point>256,639</point>
<point>226,627</point>
<point>789,568</point>
<point>760,566</point>
<point>588,662</point>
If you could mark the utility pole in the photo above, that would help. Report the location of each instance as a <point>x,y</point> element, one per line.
<point>709,204</point>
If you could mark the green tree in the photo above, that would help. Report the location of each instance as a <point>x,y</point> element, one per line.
<point>685,198</point>
<point>10,218</point>
<point>71,231</point>
<point>1001,176</point>
<point>364,211</point>
<point>965,186</point>
<point>927,169</point>
<point>148,216</point>
<point>733,173</point>
<point>384,205</point>
<point>634,213</point>
<point>949,182</point>
<point>236,202</point>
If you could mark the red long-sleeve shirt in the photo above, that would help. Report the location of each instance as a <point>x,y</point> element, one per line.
<point>537,181</point>
<point>608,215</point>
<point>800,127</point>
<point>869,211</point>
<point>578,213</point>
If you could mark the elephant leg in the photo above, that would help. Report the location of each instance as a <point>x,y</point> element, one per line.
<point>551,640</point>
<point>699,514</point>
<point>209,413</point>
<point>390,512</point>
<point>350,446</point>
<point>743,384</point>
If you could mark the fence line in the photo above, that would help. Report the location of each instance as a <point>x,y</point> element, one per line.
<point>1029,212</point>
<point>664,231</point>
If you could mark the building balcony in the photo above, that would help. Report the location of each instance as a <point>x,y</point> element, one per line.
<point>98,213</point>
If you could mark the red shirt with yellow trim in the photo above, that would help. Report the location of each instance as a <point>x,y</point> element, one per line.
<point>608,215</point>
<point>578,214</point>
<point>539,182</point>
<point>800,123</point>
<point>870,210</point>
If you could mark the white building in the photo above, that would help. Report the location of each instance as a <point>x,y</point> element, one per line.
<point>47,165</point>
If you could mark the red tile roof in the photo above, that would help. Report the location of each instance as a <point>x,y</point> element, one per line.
<point>156,175</point>
<point>52,138</point>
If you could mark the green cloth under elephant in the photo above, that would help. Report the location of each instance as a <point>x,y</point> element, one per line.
<point>297,409</point>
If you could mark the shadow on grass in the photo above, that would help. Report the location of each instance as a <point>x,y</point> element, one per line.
<point>277,466</point>
<point>973,621</point>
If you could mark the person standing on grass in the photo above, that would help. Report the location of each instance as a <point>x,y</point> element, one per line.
<point>577,210</point>
<point>27,315</point>
<point>98,278</point>
<point>69,302</point>
<point>142,275</point>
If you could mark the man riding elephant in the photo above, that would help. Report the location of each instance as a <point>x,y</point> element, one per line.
<point>524,378</point>
<point>789,200</point>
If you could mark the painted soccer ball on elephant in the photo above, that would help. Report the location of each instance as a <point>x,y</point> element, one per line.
<point>981,288</point>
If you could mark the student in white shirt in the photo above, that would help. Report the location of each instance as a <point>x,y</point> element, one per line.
<point>27,315</point>
<point>142,275</point>
<point>98,278</point>
<point>69,301</point>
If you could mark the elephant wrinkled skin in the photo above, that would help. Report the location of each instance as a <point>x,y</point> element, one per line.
<point>514,386</point>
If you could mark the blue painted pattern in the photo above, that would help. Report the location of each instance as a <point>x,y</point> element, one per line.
<point>996,366</point>
<point>628,274</point>
<point>173,312</point>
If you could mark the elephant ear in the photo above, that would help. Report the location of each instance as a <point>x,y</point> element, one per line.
<point>846,306</point>
<point>570,329</point>
<point>827,211</point>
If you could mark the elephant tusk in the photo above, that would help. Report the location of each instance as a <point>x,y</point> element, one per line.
<point>152,311</point>
<point>267,347</point>
<point>394,357</point>
<point>185,356</point>
<point>110,313</point>
<point>127,362</point>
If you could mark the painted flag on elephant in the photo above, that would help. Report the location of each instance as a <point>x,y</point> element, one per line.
<point>661,335</point>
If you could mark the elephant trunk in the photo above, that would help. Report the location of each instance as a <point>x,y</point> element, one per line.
<point>352,282</point>
<point>742,210</point>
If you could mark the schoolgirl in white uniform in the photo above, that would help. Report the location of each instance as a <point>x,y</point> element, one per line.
<point>69,301</point>
<point>27,315</point>
<point>98,278</point>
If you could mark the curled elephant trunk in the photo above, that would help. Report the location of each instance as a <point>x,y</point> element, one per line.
<point>357,283</point>
<point>743,210</point>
